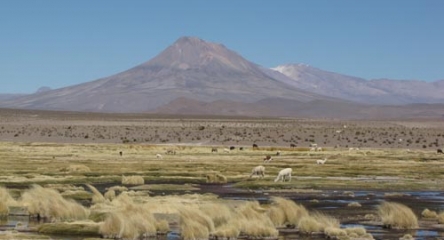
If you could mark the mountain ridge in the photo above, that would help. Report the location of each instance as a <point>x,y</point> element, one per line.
<point>193,76</point>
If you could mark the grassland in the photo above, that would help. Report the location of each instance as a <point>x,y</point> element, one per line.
<point>23,164</point>
<point>69,155</point>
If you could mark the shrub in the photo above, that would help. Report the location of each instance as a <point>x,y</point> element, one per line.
<point>396,215</point>
<point>133,180</point>
<point>429,214</point>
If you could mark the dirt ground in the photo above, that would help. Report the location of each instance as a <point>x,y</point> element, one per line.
<point>73,127</point>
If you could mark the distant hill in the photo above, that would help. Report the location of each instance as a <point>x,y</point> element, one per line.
<point>9,96</point>
<point>379,91</point>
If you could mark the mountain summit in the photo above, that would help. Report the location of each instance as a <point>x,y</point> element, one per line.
<point>190,68</point>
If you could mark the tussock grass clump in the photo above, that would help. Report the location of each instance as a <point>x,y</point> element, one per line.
<point>97,196</point>
<point>355,231</point>
<point>118,188</point>
<point>429,214</point>
<point>317,222</point>
<point>308,224</point>
<point>74,228</point>
<point>162,226</point>
<point>335,233</point>
<point>215,178</point>
<point>277,216</point>
<point>293,212</point>
<point>110,194</point>
<point>64,187</point>
<point>77,168</point>
<point>407,237</point>
<point>396,215</point>
<point>133,180</point>
<point>5,201</point>
<point>77,194</point>
<point>195,224</point>
<point>354,204</point>
<point>13,235</point>
<point>219,213</point>
<point>130,222</point>
<point>254,222</point>
<point>441,218</point>
<point>49,203</point>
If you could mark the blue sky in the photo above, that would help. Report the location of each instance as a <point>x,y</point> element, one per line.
<point>60,43</point>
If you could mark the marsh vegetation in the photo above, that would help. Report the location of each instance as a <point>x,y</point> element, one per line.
<point>105,187</point>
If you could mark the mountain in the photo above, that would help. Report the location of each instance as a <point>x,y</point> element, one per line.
<point>9,96</point>
<point>190,68</point>
<point>380,91</point>
<point>193,76</point>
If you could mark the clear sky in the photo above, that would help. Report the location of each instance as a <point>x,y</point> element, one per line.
<point>61,43</point>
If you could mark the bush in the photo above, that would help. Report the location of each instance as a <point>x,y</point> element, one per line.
<point>396,215</point>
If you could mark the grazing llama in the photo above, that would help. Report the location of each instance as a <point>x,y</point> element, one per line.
<point>268,158</point>
<point>258,171</point>
<point>321,161</point>
<point>283,175</point>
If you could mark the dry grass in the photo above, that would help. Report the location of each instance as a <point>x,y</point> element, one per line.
<point>77,168</point>
<point>5,201</point>
<point>426,213</point>
<point>72,228</point>
<point>354,204</point>
<point>215,177</point>
<point>390,168</point>
<point>48,203</point>
<point>97,196</point>
<point>396,215</point>
<point>441,218</point>
<point>133,180</point>
<point>292,212</point>
<point>317,222</point>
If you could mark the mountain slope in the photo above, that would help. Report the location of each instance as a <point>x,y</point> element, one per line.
<point>382,91</point>
<point>189,68</point>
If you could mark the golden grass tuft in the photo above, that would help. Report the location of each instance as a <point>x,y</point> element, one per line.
<point>355,231</point>
<point>131,221</point>
<point>308,224</point>
<point>195,224</point>
<point>253,220</point>
<point>5,201</point>
<point>14,235</point>
<point>317,222</point>
<point>293,212</point>
<point>277,216</point>
<point>162,226</point>
<point>396,215</point>
<point>219,213</point>
<point>133,180</point>
<point>110,194</point>
<point>77,194</point>
<point>74,228</point>
<point>407,237</point>
<point>77,168</point>
<point>354,204</point>
<point>49,203</point>
<point>118,188</point>
<point>214,177</point>
<point>441,218</point>
<point>335,233</point>
<point>426,213</point>
<point>97,196</point>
